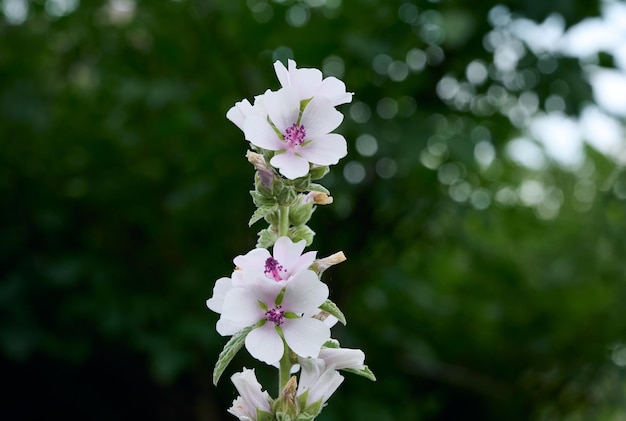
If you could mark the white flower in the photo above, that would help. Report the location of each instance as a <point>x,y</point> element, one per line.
<point>298,139</point>
<point>309,84</point>
<point>287,260</point>
<point>242,109</point>
<point>320,376</point>
<point>250,398</point>
<point>277,311</point>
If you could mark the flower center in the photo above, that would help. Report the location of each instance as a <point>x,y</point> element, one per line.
<point>273,269</point>
<point>295,135</point>
<point>275,315</point>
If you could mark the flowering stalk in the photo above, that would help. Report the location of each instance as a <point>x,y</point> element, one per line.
<point>275,304</point>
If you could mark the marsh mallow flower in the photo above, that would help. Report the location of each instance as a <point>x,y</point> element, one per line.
<point>276,312</point>
<point>298,139</point>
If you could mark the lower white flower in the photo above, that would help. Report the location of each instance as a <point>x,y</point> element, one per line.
<point>250,398</point>
<point>277,313</point>
<point>319,375</point>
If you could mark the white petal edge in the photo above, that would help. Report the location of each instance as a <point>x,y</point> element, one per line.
<point>305,336</point>
<point>264,344</point>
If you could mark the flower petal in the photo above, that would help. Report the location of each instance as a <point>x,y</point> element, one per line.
<point>304,292</point>
<point>335,90</point>
<point>283,107</point>
<point>320,117</point>
<point>305,336</point>
<point>303,262</point>
<point>253,260</point>
<point>281,73</point>
<point>222,286</point>
<point>290,165</point>
<point>259,132</point>
<point>262,288</point>
<point>264,344</point>
<point>241,307</point>
<point>238,112</point>
<point>340,358</point>
<point>228,327</point>
<point>287,252</point>
<point>325,150</point>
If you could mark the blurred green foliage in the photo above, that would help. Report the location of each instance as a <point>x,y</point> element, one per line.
<point>125,196</point>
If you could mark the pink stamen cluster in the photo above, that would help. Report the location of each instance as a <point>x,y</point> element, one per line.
<point>295,135</point>
<point>275,315</point>
<point>273,268</point>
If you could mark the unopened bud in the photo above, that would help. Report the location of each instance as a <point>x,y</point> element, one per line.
<point>320,265</point>
<point>317,198</point>
<point>266,174</point>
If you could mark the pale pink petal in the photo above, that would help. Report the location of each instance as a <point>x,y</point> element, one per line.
<point>325,150</point>
<point>259,132</point>
<point>303,262</point>
<point>238,112</point>
<point>290,165</point>
<point>241,307</point>
<point>335,90</point>
<point>250,390</point>
<point>281,73</point>
<point>311,370</point>
<point>228,327</point>
<point>264,344</point>
<point>324,387</point>
<point>305,81</point>
<point>340,358</point>
<point>287,252</point>
<point>305,336</point>
<point>283,107</point>
<point>319,118</point>
<point>222,286</point>
<point>264,289</point>
<point>305,292</point>
<point>253,260</point>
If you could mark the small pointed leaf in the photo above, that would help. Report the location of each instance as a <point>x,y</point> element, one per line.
<point>332,309</point>
<point>230,350</point>
<point>365,372</point>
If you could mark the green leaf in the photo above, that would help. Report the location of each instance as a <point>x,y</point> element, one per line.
<point>261,213</point>
<point>264,416</point>
<point>305,417</point>
<point>332,309</point>
<point>365,372</point>
<point>319,188</point>
<point>230,350</point>
<point>267,238</point>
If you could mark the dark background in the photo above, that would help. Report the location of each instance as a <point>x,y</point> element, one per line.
<point>125,196</point>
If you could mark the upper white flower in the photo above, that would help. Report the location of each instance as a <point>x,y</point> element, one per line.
<point>309,83</point>
<point>299,138</point>
<point>287,260</point>
<point>278,310</point>
<point>250,398</point>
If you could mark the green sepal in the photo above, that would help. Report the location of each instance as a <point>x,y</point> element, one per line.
<point>261,199</point>
<point>319,188</point>
<point>331,343</point>
<point>264,416</point>
<point>262,212</point>
<point>312,410</point>
<point>302,184</point>
<point>267,238</point>
<point>230,350</point>
<point>300,214</point>
<point>365,372</point>
<point>302,232</point>
<point>305,417</point>
<point>302,399</point>
<point>319,172</point>
<point>332,309</point>
<point>281,416</point>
